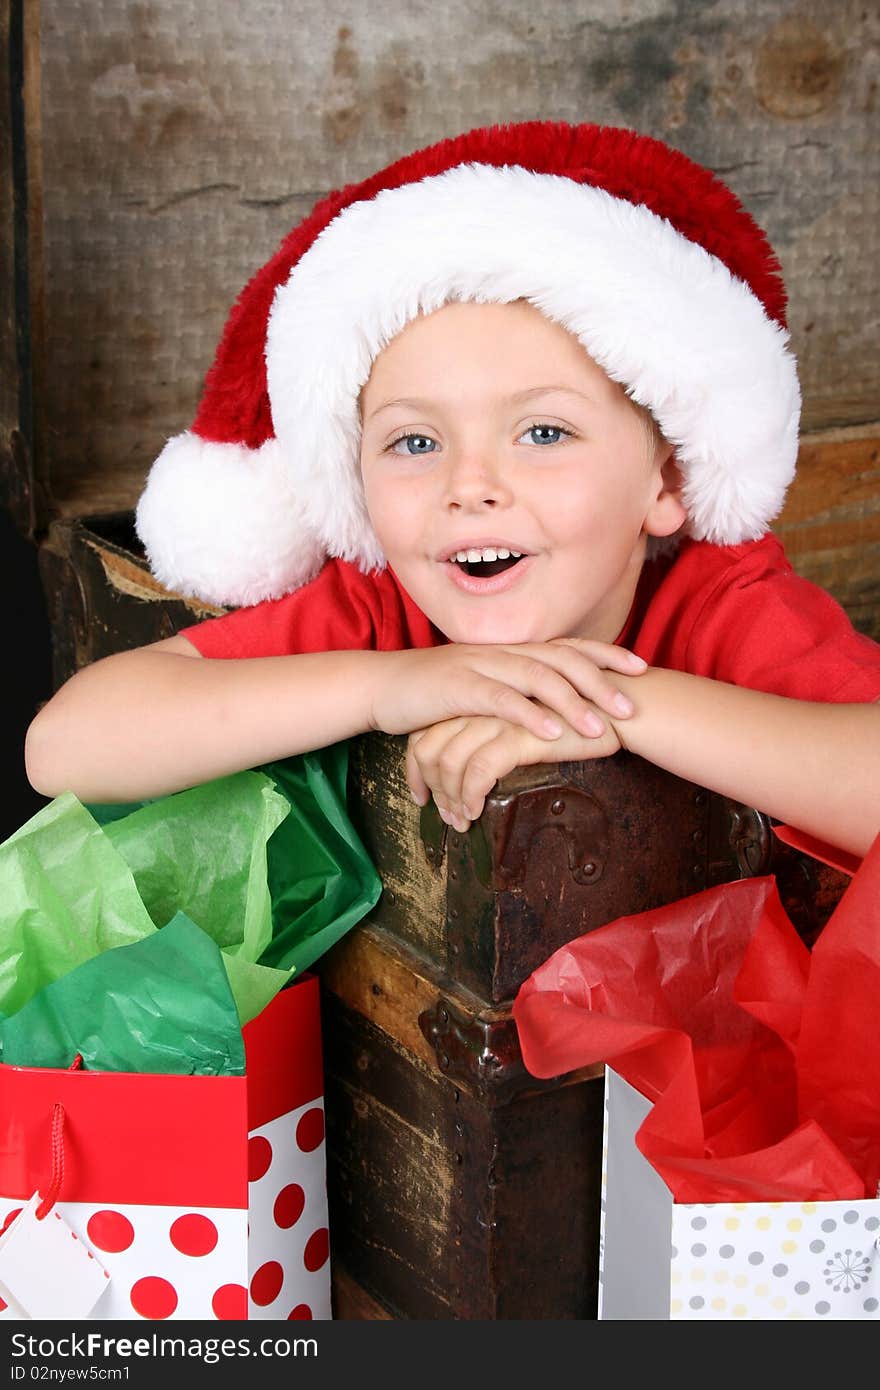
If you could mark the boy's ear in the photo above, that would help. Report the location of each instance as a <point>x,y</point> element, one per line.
<point>667,511</point>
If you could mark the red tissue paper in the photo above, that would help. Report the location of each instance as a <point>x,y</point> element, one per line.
<point>760,1057</point>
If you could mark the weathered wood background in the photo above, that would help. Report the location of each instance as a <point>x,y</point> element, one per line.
<point>181,139</point>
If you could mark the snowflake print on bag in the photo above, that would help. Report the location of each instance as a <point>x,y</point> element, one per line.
<point>847,1271</point>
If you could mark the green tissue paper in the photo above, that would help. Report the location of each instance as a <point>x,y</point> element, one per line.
<point>162,1005</point>
<point>254,875</point>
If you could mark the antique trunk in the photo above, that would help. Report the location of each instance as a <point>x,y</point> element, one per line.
<point>461,1187</point>
<point>153,157</point>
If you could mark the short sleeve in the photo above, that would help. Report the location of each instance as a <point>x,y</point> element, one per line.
<point>741,614</point>
<point>340,610</point>
<point>768,628</point>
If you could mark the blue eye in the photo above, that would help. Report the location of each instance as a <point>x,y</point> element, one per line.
<point>415,444</point>
<point>546,434</point>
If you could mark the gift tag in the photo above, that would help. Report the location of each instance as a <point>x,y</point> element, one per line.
<point>46,1271</point>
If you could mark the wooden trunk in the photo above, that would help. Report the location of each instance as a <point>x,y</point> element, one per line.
<point>460,1186</point>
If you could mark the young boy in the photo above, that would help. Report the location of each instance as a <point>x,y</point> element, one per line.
<point>529,391</point>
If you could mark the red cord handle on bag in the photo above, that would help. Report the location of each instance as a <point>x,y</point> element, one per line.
<point>57,1178</point>
<point>57,1143</point>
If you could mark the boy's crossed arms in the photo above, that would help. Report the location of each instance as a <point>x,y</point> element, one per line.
<point>811,765</point>
<point>473,714</point>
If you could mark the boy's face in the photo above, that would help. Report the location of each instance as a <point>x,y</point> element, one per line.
<point>488,429</point>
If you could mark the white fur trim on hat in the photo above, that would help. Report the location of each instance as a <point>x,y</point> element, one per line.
<point>244,539</point>
<point>660,314</point>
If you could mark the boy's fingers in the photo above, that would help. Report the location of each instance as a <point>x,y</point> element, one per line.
<point>503,701</point>
<point>481,774</point>
<point>418,787</point>
<point>483,752</point>
<point>606,655</point>
<point>478,775</point>
<point>446,752</point>
<point>591,686</point>
<point>444,755</point>
<point>557,676</point>
<point>612,700</point>
<point>449,817</point>
<point>450,812</point>
<point>423,762</point>
<point>554,701</point>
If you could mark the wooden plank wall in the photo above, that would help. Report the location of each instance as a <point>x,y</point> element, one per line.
<point>183,138</point>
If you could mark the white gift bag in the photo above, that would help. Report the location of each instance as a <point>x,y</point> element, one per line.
<point>660,1259</point>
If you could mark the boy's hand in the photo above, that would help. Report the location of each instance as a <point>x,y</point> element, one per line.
<point>459,761</point>
<point>540,687</point>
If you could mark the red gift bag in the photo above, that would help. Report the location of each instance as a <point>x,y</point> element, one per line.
<point>203,1197</point>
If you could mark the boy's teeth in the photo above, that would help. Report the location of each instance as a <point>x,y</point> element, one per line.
<point>487,554</point>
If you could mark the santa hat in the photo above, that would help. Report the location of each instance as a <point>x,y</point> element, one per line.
<point>646,257</point>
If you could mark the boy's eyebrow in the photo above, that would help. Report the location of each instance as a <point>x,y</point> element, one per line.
<point>518,397</point>
<point>405,403</point>
<point>551,390</point>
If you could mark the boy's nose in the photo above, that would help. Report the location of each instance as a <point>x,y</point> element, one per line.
<point>475,481</point>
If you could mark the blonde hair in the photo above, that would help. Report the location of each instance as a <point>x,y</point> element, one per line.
<point>654,436</point>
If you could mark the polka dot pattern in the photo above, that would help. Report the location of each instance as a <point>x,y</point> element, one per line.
<point>153,1297</point>
<point>268,1260</point>
<point>788,1260</point>
<point>110,1231</point>
<point>230,1303</point>
<point>310,1130</point>
<point>290,1265</point>
<point>289,1205</point>
<point>259,1157</point>
<point>300,1313</point>
<point>317,1251</point>
<point>266,1283</point>
<point>193,1234</point>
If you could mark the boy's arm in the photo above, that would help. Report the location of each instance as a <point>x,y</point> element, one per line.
<point>160,718</point>
<point>815,766</point>
<point>154,720</point>
<point>812,765</point>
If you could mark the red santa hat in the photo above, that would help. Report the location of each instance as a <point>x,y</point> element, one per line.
<point>645,256</point>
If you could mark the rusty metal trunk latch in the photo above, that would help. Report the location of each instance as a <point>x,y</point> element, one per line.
<point>483,1055</point>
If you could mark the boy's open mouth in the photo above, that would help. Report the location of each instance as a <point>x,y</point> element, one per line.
<point>486,562</point>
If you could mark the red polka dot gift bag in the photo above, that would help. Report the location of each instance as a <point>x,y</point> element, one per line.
<point>161,1084</point>
<point>194,1197</point>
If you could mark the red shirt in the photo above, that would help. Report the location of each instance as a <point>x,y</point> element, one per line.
<point>735,613</point>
